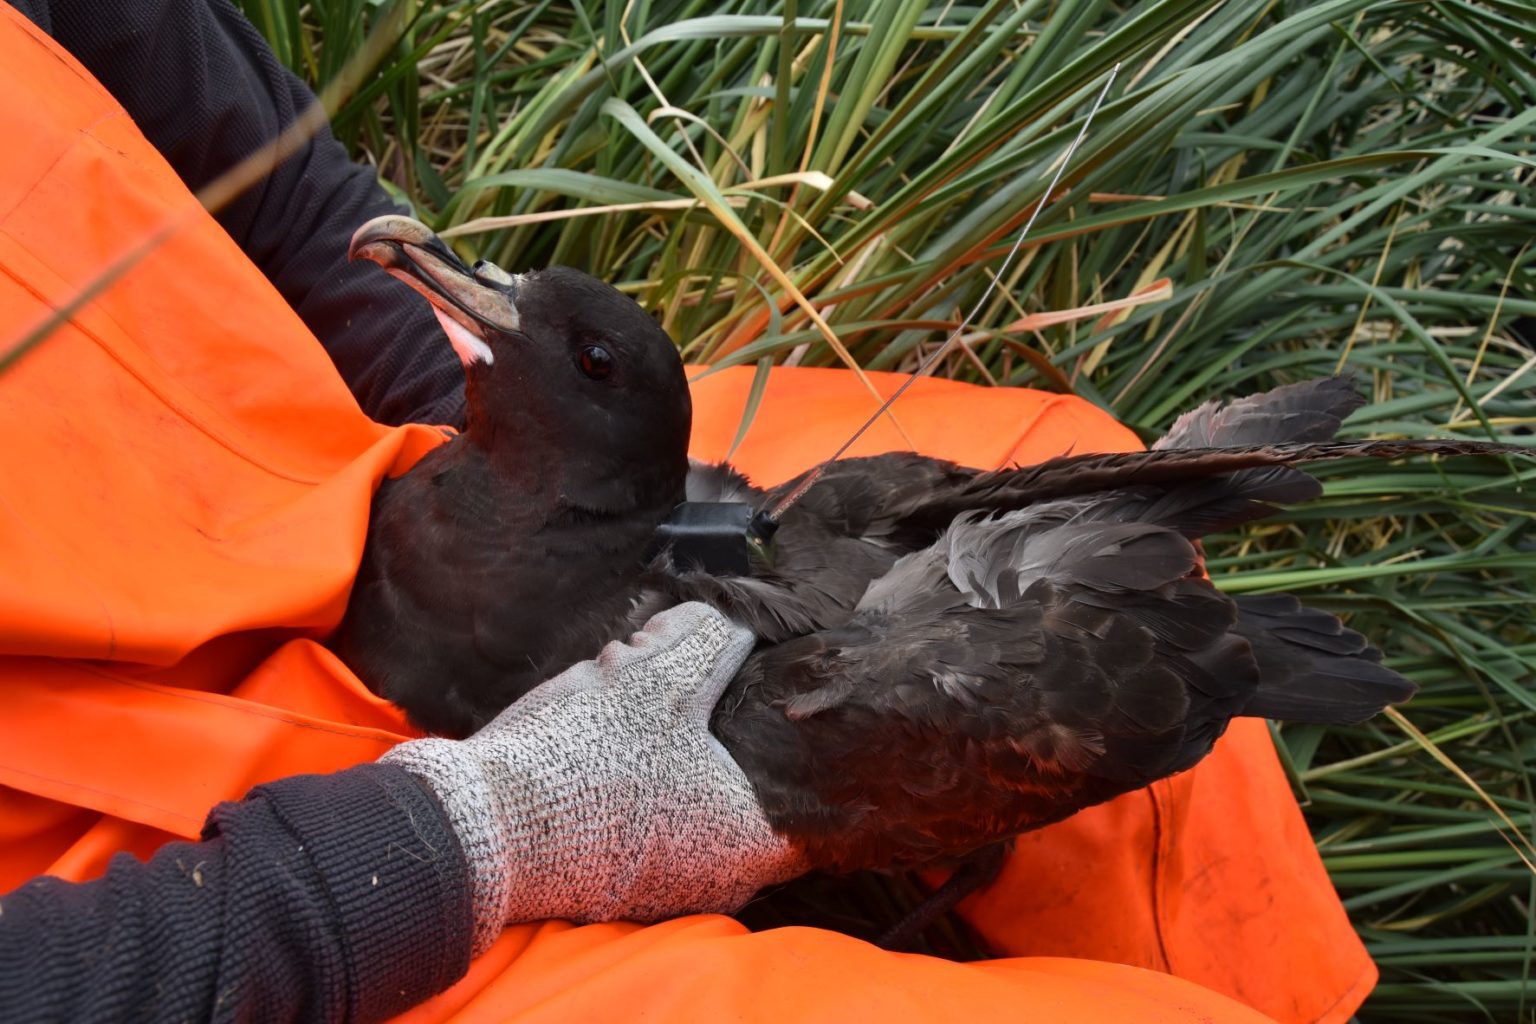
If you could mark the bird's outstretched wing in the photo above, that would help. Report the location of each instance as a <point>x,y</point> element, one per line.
<point>902,500</point>
<point>1218,467</point>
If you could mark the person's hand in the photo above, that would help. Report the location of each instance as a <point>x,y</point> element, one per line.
<point>602,795</point>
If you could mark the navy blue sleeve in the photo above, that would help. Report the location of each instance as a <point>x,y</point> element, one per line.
<point>206,90</point>
<point>325,898</point>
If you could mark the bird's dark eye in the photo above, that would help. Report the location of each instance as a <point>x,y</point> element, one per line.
<point>595,362</point>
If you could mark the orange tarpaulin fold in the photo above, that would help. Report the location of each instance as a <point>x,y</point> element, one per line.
<point>183,495</point>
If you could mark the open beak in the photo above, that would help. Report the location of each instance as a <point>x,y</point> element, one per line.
<point>469,303</point>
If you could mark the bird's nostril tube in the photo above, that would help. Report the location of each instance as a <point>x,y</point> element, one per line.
<point>487,272</point>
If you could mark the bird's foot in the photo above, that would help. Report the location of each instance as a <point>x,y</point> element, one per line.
<point>978,871</point>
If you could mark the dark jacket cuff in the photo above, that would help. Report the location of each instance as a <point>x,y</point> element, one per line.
<point>394,873</point>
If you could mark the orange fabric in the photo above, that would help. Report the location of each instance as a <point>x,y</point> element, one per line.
<point>182,504</point>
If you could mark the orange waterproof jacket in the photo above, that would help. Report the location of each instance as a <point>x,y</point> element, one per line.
<point>184,484</point>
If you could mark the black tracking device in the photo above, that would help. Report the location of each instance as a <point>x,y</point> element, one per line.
<point>717,537</point>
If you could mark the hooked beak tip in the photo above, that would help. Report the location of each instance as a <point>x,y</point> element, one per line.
<point>468,303</point>
<point>381,238</point>
<point>383,253</point>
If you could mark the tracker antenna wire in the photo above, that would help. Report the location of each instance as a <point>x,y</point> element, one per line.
<point>767,522</point>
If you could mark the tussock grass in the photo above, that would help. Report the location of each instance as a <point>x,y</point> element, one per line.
<point>1323,186</point>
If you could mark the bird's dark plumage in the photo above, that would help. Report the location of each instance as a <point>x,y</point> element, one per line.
<point>947,657</point>
<point>514,551</point>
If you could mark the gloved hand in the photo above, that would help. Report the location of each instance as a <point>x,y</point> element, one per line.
<point>602,795</point>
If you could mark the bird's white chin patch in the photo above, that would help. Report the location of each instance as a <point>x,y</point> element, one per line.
<point>471,348</point>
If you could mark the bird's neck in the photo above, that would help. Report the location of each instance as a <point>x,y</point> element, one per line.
<point>537,453</point>
<point>504,488</point>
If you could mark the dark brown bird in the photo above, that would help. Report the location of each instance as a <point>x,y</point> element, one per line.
<point>947,657</point>
<point>514,551</point>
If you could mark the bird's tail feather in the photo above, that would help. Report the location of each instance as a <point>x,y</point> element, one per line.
<point>1311,667</point>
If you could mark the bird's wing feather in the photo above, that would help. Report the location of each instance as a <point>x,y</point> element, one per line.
<point>1083,474</point>
<point>883,499</point>
<point>1017,671</point>
<point>1311,410</point>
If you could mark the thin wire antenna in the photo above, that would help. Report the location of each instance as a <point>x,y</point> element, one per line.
<point>929,363</point>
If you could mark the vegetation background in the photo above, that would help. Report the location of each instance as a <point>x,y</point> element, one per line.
<point>1272,191</point>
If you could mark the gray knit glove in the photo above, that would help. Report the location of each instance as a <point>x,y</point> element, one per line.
<point>602,795</point>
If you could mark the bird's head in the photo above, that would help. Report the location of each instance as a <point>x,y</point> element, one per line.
<point>565,375</point>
